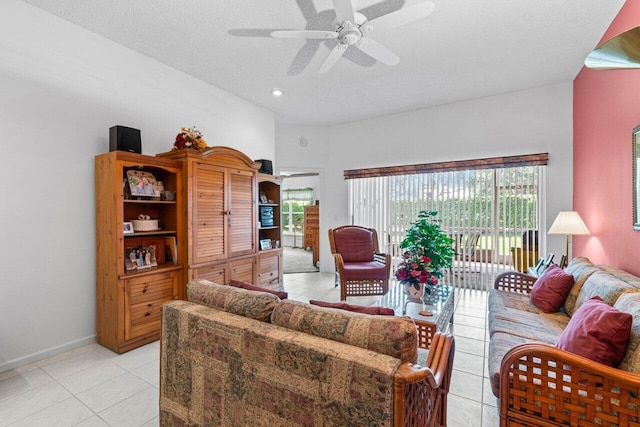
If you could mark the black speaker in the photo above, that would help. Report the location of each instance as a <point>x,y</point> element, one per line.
<point>267,167</point>
<point>125,139</point>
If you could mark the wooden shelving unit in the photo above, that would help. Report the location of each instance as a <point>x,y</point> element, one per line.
<point>270,260</point>
<point>129,300</point>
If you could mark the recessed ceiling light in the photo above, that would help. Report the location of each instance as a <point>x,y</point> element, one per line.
<point>277,92</point>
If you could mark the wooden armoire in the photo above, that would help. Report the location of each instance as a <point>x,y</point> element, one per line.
<point>221,224</point>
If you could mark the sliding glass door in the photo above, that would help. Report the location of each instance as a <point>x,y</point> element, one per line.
<point>492,215</point>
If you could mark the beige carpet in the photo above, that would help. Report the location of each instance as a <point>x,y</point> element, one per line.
<point>297,260</point>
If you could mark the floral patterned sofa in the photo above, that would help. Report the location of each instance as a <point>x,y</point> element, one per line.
<point>540,384</point>
<point>233,357</point>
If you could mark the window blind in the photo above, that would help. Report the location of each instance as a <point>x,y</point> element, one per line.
<point>488,213</point>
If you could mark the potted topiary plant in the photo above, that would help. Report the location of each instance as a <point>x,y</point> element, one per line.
<point>428,252</point>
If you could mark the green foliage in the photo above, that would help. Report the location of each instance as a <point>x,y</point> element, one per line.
<point>425,234</point>
<point>293,215</point>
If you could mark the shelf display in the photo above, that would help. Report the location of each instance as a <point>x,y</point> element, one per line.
<point>270,230</point>
<point>135,271</point>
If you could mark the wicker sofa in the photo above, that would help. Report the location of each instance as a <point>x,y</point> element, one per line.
<point>539,384</point>
<point>233,357</point>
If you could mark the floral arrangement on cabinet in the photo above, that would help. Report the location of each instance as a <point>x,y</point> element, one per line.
<point>189,138</point>
<point>428,252</point>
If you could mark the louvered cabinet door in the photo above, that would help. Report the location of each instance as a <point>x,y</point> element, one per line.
<point>242,223</point>
<point>243,270</point>
<point>217,273</point>
<point>209,231</point>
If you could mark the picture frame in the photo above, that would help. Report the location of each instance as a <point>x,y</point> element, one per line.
<point>127,227</point>
<point>265,244</point>
<point>635,185</point>
<point>263,197</point>
<point>140,257</point>
<point>563,262</point>
<point>143,184</point>
<point>538,265</point>
<point>548,261</point>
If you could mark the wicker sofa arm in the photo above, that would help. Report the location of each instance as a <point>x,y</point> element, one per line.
<point>421,392</point>
<point>542,385</point>
<point>514,281</point>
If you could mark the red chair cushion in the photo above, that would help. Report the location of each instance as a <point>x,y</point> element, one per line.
<point>354,244</point>
<point>598,332</point>
<point>551,289</point>
<point>365,270</point>
<point>382,311</point>
<point>250,287</point>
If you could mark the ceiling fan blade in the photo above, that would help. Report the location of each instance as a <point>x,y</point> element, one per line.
<point>401,17</point>
<point>377,51</point>
<point>333,57</point>
<point>344,10</point>
<point>304,34</point>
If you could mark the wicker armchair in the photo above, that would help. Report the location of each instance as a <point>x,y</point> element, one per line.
<point>360,268</point>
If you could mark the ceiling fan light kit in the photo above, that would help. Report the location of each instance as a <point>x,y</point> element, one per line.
<point>622,52</point>
<point>353,29</point>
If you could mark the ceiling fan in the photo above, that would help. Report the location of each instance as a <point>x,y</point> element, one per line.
<point>353,29</point>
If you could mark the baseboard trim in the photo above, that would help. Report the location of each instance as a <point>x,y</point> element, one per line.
<point>34,357</point>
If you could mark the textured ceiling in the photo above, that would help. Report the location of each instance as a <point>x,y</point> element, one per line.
<point>463,50</point>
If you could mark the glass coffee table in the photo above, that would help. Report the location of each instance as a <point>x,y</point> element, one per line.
<point>430,317</point>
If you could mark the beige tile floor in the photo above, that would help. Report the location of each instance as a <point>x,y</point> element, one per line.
<point>92,386</point>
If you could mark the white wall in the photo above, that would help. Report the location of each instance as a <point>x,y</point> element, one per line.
<point>526,122</point>
<point>62,89</point>
<point>312,156</point>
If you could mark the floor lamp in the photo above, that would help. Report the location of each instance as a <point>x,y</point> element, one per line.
<point>568,223</point>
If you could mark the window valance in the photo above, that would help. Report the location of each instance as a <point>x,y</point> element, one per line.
<point>298,194</point>
<point>540,159</point>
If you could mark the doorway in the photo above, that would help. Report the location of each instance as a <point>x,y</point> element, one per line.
<point>300,193</point>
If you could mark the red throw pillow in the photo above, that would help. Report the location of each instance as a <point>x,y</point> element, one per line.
<point>248,286</point>
<point>382,311</point>
<point>551,289</point>
<point>597,331</point>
